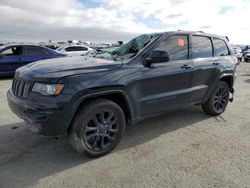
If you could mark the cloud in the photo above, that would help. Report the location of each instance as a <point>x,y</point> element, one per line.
<point>111,20</point>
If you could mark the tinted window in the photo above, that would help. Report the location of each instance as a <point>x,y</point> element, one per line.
<point>220,48</point>
<point>75,48</point>
<point>70,49</point>
<point>35,50</point>
<point>201,47</point>
<point>16,50</point>
<point>81,48</point>
<point>176,46</point>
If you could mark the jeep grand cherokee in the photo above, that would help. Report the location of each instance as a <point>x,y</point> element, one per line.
<point>91,99</point>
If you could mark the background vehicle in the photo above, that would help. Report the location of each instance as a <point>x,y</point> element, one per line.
<point>92,99</point>
<point>15,56</point>
<point>246,55</point>
<point>238,53</point>
<point>76,50</point>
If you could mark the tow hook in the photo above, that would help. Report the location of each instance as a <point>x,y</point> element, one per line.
<point>231,97</point>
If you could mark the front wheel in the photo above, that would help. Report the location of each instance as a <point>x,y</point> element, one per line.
<point>97,128</point>
<point>218,100</point>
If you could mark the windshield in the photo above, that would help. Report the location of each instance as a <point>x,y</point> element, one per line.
<point>60,48</point>
<point>127,50</point>
<point>1,48</point>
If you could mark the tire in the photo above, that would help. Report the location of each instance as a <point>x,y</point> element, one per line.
<point>239,61</point>
<point>218,100</point>
<point>97,128</point>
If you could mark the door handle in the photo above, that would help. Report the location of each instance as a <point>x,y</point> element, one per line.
<point>186,67</point>
<point>215,63</point>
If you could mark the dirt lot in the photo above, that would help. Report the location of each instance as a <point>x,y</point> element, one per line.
<point>185,148</point>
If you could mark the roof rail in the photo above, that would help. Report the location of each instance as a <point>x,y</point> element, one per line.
<point>191,31</point>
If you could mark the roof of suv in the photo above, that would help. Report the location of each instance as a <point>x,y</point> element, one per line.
<point>196,33</point>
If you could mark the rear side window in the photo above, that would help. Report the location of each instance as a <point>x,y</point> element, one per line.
<point>81,48</point>
<point>75,48</point>
<point>220,47</point>
<point>201,47</point>
<point>35,50</point>
<point>176,46</point>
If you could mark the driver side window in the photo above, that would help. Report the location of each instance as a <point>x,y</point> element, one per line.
<point>13,51</point>
<point>176,46</point>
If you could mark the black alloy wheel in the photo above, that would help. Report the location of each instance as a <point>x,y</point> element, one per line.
<point>101,131</point>
<point>221,99</point>
<point>97,128</point>
<point>218,100</point>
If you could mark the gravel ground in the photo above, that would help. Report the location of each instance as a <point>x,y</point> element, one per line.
<point>184,148</point>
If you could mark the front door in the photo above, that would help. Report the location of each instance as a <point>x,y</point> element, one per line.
<point>167,85</point>
<point>10,58</point>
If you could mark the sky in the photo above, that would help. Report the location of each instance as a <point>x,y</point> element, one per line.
<point>113,20</point>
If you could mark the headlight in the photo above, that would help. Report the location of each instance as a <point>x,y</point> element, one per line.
<point>47,89</point>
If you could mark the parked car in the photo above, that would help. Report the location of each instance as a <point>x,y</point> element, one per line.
<point>246,48</point>
<point>246,55</point>
<point>238,53</point>
<point>92,99</point>
<point>76,50</point>
<point>15,56</point>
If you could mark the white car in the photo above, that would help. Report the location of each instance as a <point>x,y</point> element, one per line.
<point>74,50</point>
<point>238,53</point>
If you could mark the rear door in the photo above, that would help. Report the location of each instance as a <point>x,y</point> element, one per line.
<point>32,54</point>
<point>204,66</point>
<point>82,50</point>
<point>167,85</point>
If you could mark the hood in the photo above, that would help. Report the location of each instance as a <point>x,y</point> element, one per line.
<point>55,69</point>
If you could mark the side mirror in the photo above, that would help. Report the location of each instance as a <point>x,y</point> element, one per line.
<point>157,56</point>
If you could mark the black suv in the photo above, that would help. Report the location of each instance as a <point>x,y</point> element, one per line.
<point>93,98</point>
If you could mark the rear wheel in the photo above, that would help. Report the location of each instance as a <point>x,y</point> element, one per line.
<point>98,128</point>
<point>218,101</point>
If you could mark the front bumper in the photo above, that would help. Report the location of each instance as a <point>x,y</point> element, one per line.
<point>49,117</point>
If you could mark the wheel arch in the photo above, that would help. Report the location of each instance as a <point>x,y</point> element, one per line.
<point>117,96</point>
<point>229,79</point>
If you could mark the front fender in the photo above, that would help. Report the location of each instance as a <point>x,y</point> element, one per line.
<point>90,95</point>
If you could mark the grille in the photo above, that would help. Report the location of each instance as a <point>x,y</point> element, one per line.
<point>21,88</point>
